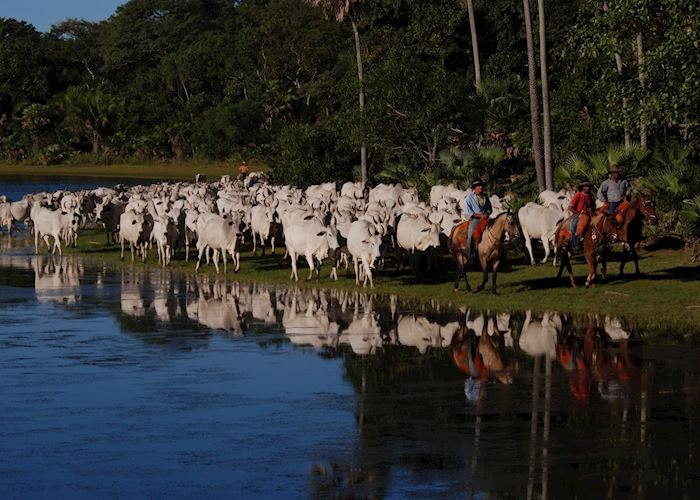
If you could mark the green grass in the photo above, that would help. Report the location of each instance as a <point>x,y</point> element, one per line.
<point>667,294</point>
<point>154,170</point>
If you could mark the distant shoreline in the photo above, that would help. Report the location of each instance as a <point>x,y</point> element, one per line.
<point>176,171</point>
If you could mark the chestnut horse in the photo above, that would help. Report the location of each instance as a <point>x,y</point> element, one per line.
<point>490,248</point>
<point>642,208</point>
<point>601,230</point>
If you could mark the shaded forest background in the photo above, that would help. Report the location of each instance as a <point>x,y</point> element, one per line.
<point>277,81</point>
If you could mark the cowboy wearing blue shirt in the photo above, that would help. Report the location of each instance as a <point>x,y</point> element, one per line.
<point>477,206</point>
<point>614,190</point>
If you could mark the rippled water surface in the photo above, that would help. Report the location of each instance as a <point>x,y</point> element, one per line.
<point>134,383</point>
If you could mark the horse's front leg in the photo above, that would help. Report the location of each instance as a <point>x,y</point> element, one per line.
<point>604,262</point>
<point>495,273</point>
<point>485,275</point>
<point>592,264</point>
<point>458,272</point>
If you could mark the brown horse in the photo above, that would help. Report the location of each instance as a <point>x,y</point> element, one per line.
<point>490,248</point>
<point>641,209</point>
<point>601,230</point>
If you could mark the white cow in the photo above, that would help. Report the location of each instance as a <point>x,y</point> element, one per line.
<point>51,223</point>
<point>131,229</point>
<point>363,244</point>
<point>6,218</point>
<point>540,222</point>
<point>416,232</point>
<point>311,239</point>
<point>354,190</point>
<point>221,235</point>
<point>165,234</point>
<point>559,199</point>
<point>262,220</point>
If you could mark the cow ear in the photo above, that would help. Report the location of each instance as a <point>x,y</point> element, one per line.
<point>321,233</point>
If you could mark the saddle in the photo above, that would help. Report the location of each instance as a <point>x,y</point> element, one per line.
<point>479,231</point>
<point>621,212</point>
<point>564,233</point>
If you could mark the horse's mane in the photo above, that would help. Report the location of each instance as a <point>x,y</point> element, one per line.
<point>493,221</point>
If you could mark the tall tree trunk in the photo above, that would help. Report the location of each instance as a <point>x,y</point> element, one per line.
<point>643,84</point>
<point>475,42</point>
<point>534,101</point>
<point>360,77</point>
<point>618,65</point>
<point>546,125</point>
<point>96,142</point>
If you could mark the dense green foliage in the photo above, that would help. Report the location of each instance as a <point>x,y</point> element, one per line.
<point>277,81</point>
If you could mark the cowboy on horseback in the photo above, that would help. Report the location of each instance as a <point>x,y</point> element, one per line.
<point>614,191</point>
<point>477,208</point>
<point>581,206</point>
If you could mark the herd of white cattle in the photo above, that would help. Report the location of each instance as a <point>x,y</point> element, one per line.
<point>354,225</point>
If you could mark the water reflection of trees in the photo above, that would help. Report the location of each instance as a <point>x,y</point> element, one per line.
<point>590,386</point>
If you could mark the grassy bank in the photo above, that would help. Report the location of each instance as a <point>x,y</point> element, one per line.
<point>152,170</point>
<point>667,295</point>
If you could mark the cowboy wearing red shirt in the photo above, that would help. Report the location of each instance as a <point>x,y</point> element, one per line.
<point>581,205</point>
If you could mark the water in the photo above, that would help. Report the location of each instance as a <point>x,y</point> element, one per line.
<point>16,186</point>
<point>134,383</point>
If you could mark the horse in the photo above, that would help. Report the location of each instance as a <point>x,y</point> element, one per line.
<point>642,208</point>
<point>601,229</point>
<point>490,248</point>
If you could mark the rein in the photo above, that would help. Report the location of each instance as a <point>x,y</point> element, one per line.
<point>488,231</point>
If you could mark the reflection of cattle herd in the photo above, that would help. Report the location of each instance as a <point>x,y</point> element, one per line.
<point>482,345</point>
<point>355,225</point>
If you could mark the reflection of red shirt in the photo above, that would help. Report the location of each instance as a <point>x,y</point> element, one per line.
<point>582,202</point>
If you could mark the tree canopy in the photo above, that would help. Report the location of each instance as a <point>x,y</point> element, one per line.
<point>277,80</point>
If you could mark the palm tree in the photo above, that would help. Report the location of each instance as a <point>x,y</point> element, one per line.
<point>642,84</point>
<point>340,9</point>
<point>91,111</point>
<point>475,41</point>
<point>534,103</point>
<point>546,129</point>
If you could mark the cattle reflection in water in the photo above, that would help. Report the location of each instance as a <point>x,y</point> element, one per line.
<point>57,279</point>
<point>217,306</point>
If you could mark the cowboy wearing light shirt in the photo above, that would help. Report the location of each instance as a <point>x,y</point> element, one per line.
<point>477,206</point>
<point>614,190</point>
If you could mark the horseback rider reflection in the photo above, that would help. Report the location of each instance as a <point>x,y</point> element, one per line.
<point>477,208</point>
<point>581,207</point>
<point>599,359</point>
<point>614,191</point>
